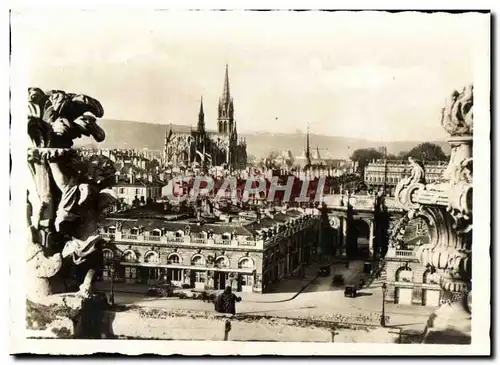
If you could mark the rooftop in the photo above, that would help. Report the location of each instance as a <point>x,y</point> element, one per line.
<point>153,217</point>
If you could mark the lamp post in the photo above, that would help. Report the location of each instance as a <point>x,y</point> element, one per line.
<point>382,318</point>
<point>112,292</point>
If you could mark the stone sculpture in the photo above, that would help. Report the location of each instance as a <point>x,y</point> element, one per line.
<point>447,208</point>
<point>66,194</point>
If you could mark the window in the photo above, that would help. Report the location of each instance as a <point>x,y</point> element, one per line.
<point>151,257</point>
<point>199,276</point>
<point>121,191</point>
<point>246,280</point>
<point>129,256</point>
<point>130,272</point>
<point>404,275</point>
<point>173,258</point>
<point>222,262</point>
<point>176,275</point>
<point>198,260</point>
<point>137,191</point>
<point>107,254</point>
<point>246,263</point>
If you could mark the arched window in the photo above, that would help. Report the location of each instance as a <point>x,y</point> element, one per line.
<point>246,263</point>
<point>151,257</point>
<point>155,232</point>
<point>179,233</point>
<point>108,254</point>
<point>198,260</point>
<point>222,261</point>
<point>404,274</point>
<point>174,258</point>
<point>129,256</point>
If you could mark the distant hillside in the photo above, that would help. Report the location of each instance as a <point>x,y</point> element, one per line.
<point>130,134</point>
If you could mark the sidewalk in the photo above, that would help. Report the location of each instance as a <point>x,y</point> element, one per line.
<point>119,287</point>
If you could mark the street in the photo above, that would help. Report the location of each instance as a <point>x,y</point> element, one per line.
<point>319,300</point>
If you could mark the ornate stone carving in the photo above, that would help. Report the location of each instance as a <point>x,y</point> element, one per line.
<point>447,208</point>
<point>66,194</point>
<point>457,115</point>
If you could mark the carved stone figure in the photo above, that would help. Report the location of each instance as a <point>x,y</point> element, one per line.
<point>65,198</point>
<point>457,115</point>
<point>418,171</point>
<point>447,209</point>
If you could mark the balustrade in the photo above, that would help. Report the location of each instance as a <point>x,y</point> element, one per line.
<point>404,253</point>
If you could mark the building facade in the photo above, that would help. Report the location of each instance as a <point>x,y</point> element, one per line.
<point>389,173</point>
<point>184,146</point>
<point>250,255</point>
<point>408,281</point>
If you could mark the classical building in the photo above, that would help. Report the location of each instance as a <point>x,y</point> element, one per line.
<point>184,145</point>
<point>389,173</point>
<point>248,253</point>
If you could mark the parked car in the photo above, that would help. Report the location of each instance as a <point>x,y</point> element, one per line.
<point>324,271</point>
<point>350,291</point>
<point>161,290</point>
<point>338,280</point>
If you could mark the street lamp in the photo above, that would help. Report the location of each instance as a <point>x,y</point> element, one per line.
<point>112,292</point>
<point>382,318</point>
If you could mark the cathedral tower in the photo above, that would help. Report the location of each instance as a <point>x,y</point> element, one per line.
<point>201,118</point>
<point>225,120</point>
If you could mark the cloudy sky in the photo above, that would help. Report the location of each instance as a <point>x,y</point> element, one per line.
<point>371,75</point>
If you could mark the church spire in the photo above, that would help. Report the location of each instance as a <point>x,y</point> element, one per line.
<point>226,94</point>
<point>201,117</point>
<point>226,108</point>
<point>308,147</point>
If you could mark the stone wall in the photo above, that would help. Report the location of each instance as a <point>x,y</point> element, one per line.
<point>182,325</point>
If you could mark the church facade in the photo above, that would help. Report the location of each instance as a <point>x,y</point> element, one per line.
<point>185,146</point>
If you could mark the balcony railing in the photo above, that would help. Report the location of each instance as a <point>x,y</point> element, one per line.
<point>404,253</point>
<point>247,243</point>
<point>176,240</point>
<point>154,238</point>
<point>130,237</point>
<point>198,240</point>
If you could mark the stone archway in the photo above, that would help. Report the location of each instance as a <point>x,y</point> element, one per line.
<point>359,238</point>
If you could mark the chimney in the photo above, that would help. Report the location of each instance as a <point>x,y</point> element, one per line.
<point>117,177</point>
<point>131,177</point>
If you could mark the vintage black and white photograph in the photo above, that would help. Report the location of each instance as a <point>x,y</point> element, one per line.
<point>299,182</point>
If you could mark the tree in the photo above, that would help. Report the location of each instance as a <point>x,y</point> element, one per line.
<point>363,156</point>
<point>427,152</point>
